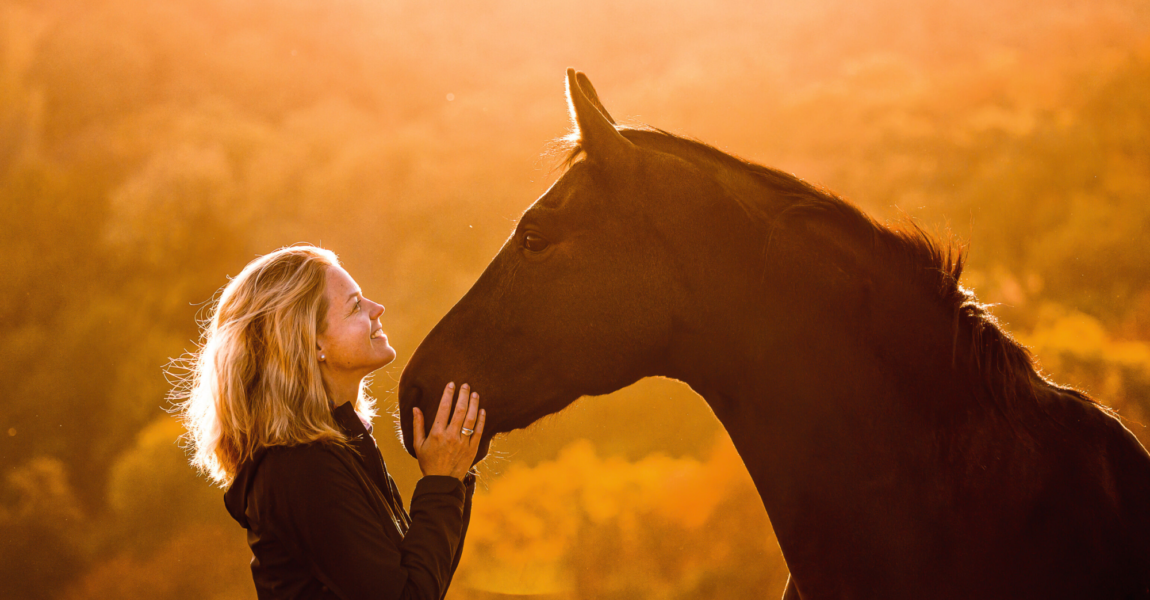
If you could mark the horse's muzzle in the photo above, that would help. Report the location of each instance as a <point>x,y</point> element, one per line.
<point>409,397</point>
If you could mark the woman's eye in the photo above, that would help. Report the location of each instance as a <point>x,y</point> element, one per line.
<point>535,242</point>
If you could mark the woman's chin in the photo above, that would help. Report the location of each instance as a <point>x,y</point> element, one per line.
<point>385,357</point>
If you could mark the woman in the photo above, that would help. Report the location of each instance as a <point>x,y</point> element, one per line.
<point>276,413</point>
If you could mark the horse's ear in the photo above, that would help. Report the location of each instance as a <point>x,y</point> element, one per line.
<point>596,129</point>
<point>589,91</point>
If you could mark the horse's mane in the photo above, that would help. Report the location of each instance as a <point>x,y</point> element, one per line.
<point>1007,370</point>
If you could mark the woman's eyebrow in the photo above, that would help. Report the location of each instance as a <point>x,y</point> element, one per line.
<point>352,295</point>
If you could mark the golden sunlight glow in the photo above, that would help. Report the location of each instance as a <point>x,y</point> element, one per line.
<point>148,150</point>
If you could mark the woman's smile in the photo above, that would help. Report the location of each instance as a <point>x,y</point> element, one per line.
<point>349,313</point>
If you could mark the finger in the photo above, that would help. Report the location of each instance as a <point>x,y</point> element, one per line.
<point>444,408</point>
<point>417,428</point>
<point>478,435</point>
<point>472,412</point>
<point>460,409</point>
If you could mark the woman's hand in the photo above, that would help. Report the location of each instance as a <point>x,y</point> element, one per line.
<point>447,449</point>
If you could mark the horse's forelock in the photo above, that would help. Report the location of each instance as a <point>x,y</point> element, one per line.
<point>565,150</point>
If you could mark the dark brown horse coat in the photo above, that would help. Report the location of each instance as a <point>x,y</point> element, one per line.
<point>903,444</point>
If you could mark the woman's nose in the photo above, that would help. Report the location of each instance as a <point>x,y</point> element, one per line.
<point>377,310</point>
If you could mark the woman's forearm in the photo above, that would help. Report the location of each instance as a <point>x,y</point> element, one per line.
<point>440,508</point>
<point>469,486</point>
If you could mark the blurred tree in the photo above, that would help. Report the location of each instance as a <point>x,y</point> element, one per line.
<point>195,564</point>
<point>582,526</point>
<point>46,533</point>
<point>153,496</point>
<point>148,150</point>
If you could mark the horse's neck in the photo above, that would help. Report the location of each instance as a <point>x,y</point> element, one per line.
<point>824,398</point>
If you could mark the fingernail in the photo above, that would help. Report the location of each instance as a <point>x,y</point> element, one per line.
<point>482,412</point>
<point>451,385</point>
<point>465,386</point>
<point>474,395</point>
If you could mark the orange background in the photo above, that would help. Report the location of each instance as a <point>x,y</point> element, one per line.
<point>148,149</point>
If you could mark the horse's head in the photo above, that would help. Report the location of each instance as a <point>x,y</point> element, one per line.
<point>581,298</point>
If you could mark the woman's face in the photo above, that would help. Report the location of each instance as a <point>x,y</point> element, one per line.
<point>352,343</point>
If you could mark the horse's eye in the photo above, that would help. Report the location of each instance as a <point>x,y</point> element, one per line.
<point>535,242</point>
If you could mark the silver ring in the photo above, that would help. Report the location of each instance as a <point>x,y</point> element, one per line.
<point>466,431</point>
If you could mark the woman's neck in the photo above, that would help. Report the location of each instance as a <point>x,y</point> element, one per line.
<point>342,392</point>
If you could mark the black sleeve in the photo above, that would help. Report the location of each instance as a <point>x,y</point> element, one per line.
<point>469,492</point>
<point>322,509</point>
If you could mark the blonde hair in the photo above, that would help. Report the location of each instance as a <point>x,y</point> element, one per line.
<point>255,380</point>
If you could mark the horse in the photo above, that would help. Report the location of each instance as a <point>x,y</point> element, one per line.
<point>903,443</point>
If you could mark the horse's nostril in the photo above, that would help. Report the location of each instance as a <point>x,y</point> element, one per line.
<point>409,397</point>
